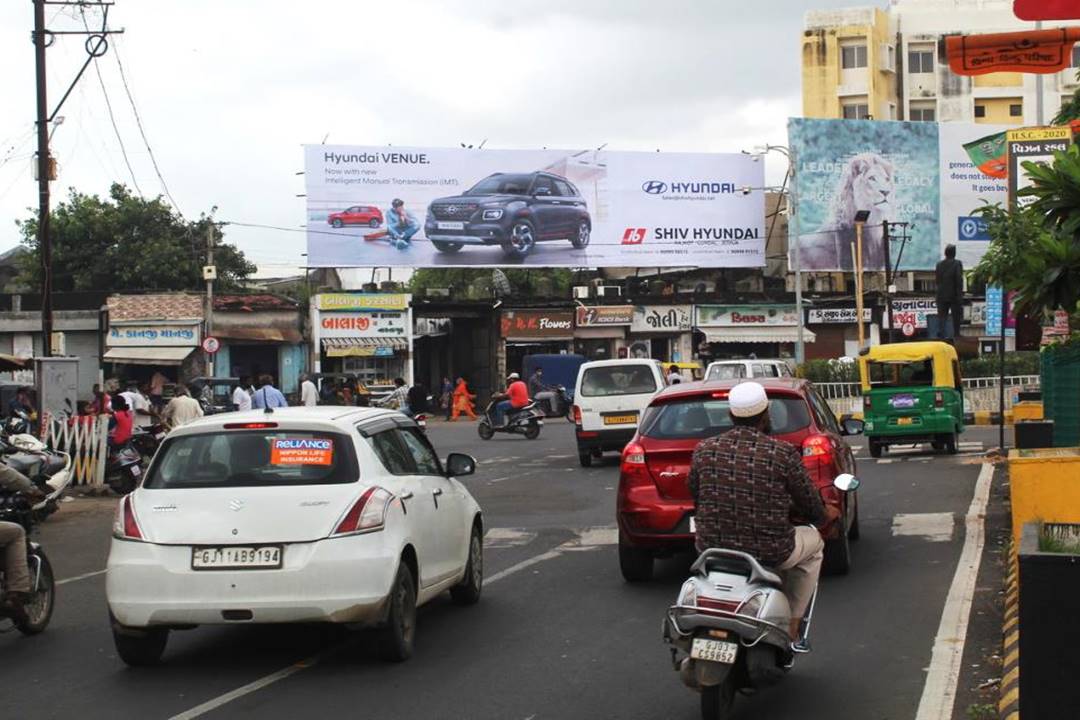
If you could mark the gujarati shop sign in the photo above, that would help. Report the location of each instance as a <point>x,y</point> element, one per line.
<point>910,311</point>
<point>826,316</point>
<point>156,335</point>
<point>362,325</point>
<point>662,319</point>
<point>744,315</point>
<point>537,324</point>
<point>604,315</point>
<point>377,302</point>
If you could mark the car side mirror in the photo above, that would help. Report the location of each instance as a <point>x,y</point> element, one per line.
<point>460,464</point>
<point>852,426</point>
<point>846,482</point>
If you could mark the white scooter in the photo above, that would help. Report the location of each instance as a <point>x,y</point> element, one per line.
<point>728,630</point>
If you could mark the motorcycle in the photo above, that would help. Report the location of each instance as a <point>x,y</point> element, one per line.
<point>555,403</point>
<point>525,421</point>
<point>123,469</point>
<point>51,472</point>
<point>19,423</point>
<point>18,509</point>
<point>147,439</point>
<point>728,630</point>
<point>421,421</point>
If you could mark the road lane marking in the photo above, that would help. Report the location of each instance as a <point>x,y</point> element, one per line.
<point>935,527</point>
<point>84,576</point>
<point>939,693</point>
<point>586,539</point>
<point>507,537</point>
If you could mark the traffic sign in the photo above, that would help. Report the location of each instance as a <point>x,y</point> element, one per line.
<point>211,344</point>
<point>909,329</point>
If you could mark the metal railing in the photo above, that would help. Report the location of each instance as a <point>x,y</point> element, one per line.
<point>86,440</point>
<point>839,390</point>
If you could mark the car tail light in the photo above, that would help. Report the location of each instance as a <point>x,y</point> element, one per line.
<point>720,395</point>
<point>816,446</point>
<point>250,426</point>
<point>125,524</point>
<point>817,451</point>
<point>866,402</point>
<point>367,514</point>
<point>939,399</point>
<point>577,415</point>
<point>633,469</point>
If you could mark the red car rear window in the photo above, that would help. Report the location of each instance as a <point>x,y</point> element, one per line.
<point>705,416</point>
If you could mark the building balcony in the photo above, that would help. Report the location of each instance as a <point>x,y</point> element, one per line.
<point>853,87</point>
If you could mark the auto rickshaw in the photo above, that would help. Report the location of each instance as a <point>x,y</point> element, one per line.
<point>911,394</point>
<point>692,370</point>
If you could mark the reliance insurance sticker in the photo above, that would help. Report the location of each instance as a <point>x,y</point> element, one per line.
<point>301,451</point>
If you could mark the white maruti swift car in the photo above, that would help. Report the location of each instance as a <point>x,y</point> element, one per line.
<point>328,514</point>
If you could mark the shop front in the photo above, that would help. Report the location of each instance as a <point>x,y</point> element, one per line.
<point>259,334</point>
<point>661,332</point>
<point>154,334</point>
<point>836,331</point>
<point>366,334</point>
<point>600,330</point>
<point>739,331</point>
<point>535,332</point>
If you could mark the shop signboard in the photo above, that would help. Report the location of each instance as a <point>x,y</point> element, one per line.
<point>371,302</point>
<point>744,315</point>
<point>154,335</point>
<point>551,208</point>
<point>844,315</point>
<point>539,324</point>
<point>604,315</point>
<point>362,324</point>
<point>913,311</point>
<point>662,319</point>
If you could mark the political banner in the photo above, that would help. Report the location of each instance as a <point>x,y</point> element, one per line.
<point>965,188</point>
<point>424,207</point>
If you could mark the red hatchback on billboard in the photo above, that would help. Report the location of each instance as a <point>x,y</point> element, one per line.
<point>654,506</point>
<point>357,215</point>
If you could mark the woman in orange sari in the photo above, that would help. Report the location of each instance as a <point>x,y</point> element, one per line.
<point>463,401</point>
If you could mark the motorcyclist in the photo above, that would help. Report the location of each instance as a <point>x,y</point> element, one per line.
<point>515,398</point>
<point>416,401</point>
<point>540,391</point>
<point>745,485</point>
<point>13,544</point>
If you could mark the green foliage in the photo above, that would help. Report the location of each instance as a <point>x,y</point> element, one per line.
<point>1070,109</point>
<point>539,282</point>
<point>828,371</point>
<point>1016,363</point>
<point>982,711</point>
<point>125,242</point>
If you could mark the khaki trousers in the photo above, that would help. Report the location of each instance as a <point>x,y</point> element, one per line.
<point>16,572</point>
<point>801,570</point>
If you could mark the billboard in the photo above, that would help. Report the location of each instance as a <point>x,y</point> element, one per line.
<point>901,172</point>
<point>424,207</point>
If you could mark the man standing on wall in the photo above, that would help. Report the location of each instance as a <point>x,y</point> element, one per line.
<point>950,294</point>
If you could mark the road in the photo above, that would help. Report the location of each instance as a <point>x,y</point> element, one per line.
<point>557,634</point>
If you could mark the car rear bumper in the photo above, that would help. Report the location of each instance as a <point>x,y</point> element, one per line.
<point>924,427</point>
<point>648,521</point>
<point>603,440</point>
<point>340,580</point>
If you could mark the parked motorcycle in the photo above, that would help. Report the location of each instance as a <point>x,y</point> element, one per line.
<point>123,469</point>
<point>728,630</point>
<point>18,509</point>
<point>525,421</point>
<point>50,471</point>
<point>18,423</point>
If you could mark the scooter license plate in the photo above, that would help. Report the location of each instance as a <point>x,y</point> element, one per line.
<point>714,650</point>
<point>136,470</point>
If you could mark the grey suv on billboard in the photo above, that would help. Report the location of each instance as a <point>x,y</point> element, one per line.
<point>514,210</point>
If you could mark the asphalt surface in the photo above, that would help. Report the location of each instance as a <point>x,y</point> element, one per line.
<point>557,634</point>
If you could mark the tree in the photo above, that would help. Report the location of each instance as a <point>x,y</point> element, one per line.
<point>125,242</point>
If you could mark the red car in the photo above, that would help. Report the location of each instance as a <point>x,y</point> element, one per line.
<point>654,505</point>
<point>357,215</point>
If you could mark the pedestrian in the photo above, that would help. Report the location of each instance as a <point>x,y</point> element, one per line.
<point>182,409</point>
<point>950,294</point>
<point>446,396</point>
<point>309,394</point>
<point>138,404</point>
<point>463,401</point>
<point>268,396</point>
<point>674,377</point>
<point>398,399</point>
<point>241,396</point>
<point>101,403</point>
<point>157,389</point>
<point>121,421</point>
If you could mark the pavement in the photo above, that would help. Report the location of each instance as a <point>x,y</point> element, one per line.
<point>558,634</point>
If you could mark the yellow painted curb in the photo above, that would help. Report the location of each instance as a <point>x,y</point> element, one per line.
<point>1009,698</point>
<point>1011,677</point>
<point>1012,658</point>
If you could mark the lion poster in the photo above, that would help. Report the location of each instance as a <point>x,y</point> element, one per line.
<point>887,168</point>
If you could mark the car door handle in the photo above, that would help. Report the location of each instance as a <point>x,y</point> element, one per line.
<point>407,495</point>
<point>437,492</point>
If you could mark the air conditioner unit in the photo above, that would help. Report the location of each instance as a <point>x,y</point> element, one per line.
<point>608,291</point>
<point>581,292</point>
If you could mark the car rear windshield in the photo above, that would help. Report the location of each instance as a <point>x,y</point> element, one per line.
<point>727,372</point>
<point>502,185</point>
<point>704,417</point>
<point>901,374</point>
<point>253,458</point>
<point>618,380</point>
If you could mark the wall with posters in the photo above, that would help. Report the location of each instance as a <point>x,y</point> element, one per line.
<point>914,172</point>
<point>553,208</point>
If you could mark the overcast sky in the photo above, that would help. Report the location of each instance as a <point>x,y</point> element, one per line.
<point>229,91</point>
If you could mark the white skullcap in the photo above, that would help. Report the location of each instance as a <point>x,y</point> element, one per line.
<point>747,400</point>
<point>513,376</point>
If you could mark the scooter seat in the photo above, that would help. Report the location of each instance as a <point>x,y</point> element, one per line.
<point>53,464</point>
<point>24,463</point>
<point>739,563</point>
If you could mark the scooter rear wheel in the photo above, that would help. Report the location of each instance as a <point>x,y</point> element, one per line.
<point>718,700</point>
<point>532,431</point>
<point>485,430</point>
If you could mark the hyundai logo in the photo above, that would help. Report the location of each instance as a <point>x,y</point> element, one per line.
<point>451,209</point>
<point>654,187</point>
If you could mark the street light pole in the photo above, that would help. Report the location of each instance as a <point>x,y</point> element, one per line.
<point>44,239</point>
<point>861,217</point>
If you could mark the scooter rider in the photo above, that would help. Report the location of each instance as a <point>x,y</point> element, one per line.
<point>540,391</point>
<point>515,398</point>
<point>744,485</point>
<point>13,544</point>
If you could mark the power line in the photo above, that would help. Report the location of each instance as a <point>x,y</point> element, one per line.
<point>142,132</point>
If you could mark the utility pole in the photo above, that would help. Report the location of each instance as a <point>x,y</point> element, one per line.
<point>43,167</point>
<point>860,221</point>
<point>888,275</point>
<point>209,272</point>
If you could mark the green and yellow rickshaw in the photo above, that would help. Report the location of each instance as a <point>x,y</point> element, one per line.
<point>911,394</point>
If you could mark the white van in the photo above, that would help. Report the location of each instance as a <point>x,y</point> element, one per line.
<point>736,369</point>
<point>609,397</point>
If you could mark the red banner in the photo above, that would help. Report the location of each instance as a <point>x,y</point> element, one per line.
<point>1037,51</point>
<point>1047,9</point>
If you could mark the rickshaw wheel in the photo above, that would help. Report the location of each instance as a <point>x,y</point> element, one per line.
<point>875,449</point>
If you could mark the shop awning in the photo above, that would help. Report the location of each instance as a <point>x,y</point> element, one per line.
<point>363,347</point>
<point>148,355</point>
<point>259,334</point>
<point>756,335</point>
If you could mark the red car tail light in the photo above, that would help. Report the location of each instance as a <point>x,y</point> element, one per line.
<point>125,524</point>
<point>367,514</point>
<point>817,451</point>
<point>633,469</point>
<point>866,402</point>
<point>577,415</point>
<point>816,446</point>
<point>939,399</point>
<point>250,426</point>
